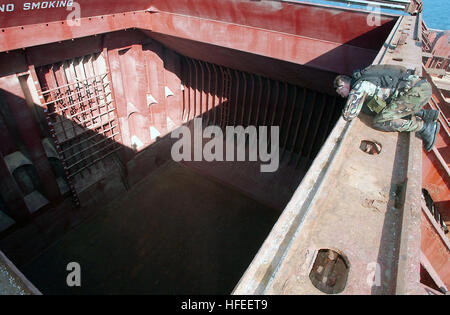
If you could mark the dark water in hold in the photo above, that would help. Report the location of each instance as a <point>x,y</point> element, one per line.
<point>175,232</point>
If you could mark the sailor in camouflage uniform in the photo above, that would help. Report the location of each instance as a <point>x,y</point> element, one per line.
<point>396,109</point>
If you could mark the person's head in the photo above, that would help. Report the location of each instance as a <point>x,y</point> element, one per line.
<point>342,85</point>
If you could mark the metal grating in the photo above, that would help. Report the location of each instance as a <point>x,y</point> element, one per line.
<point>80,113</point>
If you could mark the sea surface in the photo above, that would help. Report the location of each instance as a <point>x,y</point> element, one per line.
<point>436,14</point>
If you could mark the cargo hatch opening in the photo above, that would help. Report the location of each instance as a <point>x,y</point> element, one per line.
<point>107,105</point>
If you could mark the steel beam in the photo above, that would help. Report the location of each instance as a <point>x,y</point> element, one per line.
<point>18,37</point>
<point>321,54</point>
<point>340,192</point>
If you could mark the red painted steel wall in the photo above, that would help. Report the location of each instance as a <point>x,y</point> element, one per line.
<point>20,16</point>
<point>333,39</point>
<point>324,23</point>
<point>139,67</point>
<point>142,68</point>
<point>435,165</point>
<point>315,43</point>
<point>435,250</point>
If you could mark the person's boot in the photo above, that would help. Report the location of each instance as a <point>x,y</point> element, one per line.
<point>428,115</point>
<point>428,134</point>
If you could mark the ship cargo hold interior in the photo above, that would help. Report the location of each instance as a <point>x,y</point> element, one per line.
<point>86,170</point>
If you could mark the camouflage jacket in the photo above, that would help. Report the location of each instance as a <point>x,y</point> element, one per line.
<point>374,97</point>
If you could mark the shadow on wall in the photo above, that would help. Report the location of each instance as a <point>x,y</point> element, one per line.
<point>88,135</point>
<point>103,122</point>
<point>366,48</point>
<point>100,134</point>
<point>214,254</point>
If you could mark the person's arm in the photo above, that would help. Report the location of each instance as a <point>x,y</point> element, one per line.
<point>355,101</point>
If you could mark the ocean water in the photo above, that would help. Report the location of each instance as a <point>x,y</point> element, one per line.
<point>436,13</point>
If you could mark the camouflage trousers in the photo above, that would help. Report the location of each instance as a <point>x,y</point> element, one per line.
<point>398,115</point>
